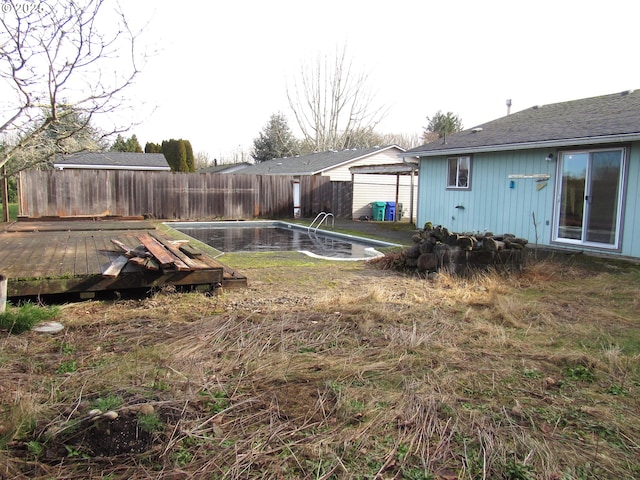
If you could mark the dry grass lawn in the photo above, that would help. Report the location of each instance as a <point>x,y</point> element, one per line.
<point>336,370</point>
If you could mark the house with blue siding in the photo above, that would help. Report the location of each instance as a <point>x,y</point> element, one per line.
<point>565,175</point>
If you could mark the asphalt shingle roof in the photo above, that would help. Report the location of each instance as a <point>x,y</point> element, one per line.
<point>115,160</point>
<point>607,116</point>
<point>311,163</point>
<point>231,167</point>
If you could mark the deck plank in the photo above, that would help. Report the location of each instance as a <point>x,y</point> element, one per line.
<point>79,256</point>
<point>93,261</point>
<point>158,250</point>
<point>67,257</point>
<point>116,266</point>
<point>107,252</point>
<point>41,257</point>
<point>24,249</point>
<point>181,261</point>
<point>190,262</point>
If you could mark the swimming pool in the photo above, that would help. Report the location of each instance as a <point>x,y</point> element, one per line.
<point>274,236</point>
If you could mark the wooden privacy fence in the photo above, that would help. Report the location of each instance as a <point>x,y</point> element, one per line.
<point>169,195</point>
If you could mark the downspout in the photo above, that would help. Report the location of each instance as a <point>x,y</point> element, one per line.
<point>411,199</point>
<point>353,191</point>
<point>413,172</point>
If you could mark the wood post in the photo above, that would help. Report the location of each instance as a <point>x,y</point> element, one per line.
<point>3,293</point>
<point>4,186</point>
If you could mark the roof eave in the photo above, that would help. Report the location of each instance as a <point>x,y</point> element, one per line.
<point>63,166</point>
<point>360,157</point>
<point>280,174</point>
<point>627,137</point>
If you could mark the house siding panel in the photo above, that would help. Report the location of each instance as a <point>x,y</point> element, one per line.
<point>491,205</point>
<point>382,188</point>
<point>375,188</point>
<point>341,173</point>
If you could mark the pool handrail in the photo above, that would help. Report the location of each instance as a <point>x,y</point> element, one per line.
<point>320,218</point>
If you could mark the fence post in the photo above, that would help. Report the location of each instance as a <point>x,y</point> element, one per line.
<point>3,293</point>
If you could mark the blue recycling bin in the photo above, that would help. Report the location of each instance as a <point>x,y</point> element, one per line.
<point>377,210</point>
<point>390,214</point>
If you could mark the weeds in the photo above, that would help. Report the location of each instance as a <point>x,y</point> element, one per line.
<point>214,402</point>
<point>35,448</point>
<point>337,372</point>
<point>514,470</point>
<point>21,319</point>
<point>108,402</point>
<point>150,422</point>
<point>68,366</point>
<point>580,373</point>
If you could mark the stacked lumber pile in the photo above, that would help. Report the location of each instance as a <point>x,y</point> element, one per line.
<point>157,254</point>
<point>436,248</point>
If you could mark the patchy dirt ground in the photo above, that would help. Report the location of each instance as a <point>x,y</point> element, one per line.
<point>336,370</point>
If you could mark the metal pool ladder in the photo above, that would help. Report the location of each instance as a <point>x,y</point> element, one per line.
<point>321,218</point>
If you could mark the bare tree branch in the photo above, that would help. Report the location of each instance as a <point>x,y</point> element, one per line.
<point>332,104</point>
<point>61,66</point>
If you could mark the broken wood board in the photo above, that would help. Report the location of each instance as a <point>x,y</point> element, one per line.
<point>193,263</point>
<point>116,266</point>
<point>190,250</point>
<point>148,263</point>
<point>158,250</point>
<point>120,245</point>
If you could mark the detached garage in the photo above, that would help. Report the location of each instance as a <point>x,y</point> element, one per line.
<point>367,188</point>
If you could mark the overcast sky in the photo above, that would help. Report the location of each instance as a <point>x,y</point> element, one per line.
<point>222,67</point>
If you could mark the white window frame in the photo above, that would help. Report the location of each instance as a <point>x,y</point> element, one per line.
<point>461,183</point>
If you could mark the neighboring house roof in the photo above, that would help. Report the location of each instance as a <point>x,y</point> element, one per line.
<point>113,161</point>
<point>225,168</point>
<point>604,119</point>
<point>313,163</point>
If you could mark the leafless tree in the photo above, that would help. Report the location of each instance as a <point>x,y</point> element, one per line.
<point>63,63</point>
<point>403,140</point>
<point>202,160</point>
<point>333,105</point>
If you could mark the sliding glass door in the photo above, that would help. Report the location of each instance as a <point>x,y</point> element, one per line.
<point>589,197</point>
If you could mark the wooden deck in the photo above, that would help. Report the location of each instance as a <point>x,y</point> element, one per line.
<point>74,257</point>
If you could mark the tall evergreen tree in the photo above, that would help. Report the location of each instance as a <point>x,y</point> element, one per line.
<point>133,145</point>
<point>170,150</point>
<point>181,152</point>
<point>442,124</point>
<point>152,148</point>
<point>179,155</point>
<point>190,159</point>
<point>128,145</point>
<point>118,144</point>
<point>275,140</point>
